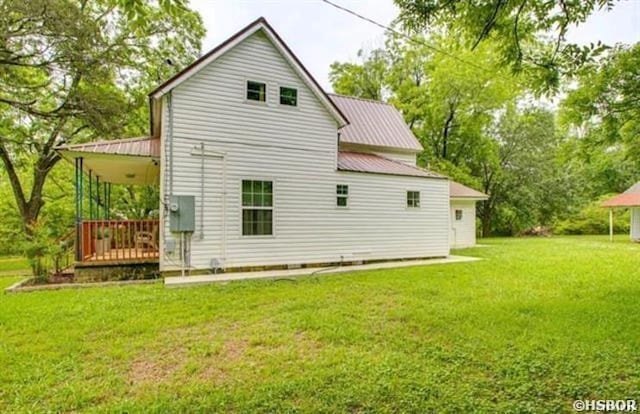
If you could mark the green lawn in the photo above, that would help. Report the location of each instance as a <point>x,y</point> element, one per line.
<point>539,323</point>
<point>9,264</point>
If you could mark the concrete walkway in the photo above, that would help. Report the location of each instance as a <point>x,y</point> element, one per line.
<point>279,274</point>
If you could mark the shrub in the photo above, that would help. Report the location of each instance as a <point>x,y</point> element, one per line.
<point>593,219</point>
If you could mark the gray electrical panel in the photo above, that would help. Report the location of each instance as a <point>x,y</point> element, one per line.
<point>182,213</point>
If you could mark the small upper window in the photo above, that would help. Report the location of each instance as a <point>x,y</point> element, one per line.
<point>256,91</point>
<point>288,96</point>
<point>342,195</point>
<point>413,199</point>
<point>458,214</point>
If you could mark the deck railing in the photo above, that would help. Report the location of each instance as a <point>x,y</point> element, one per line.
<point>118,240</point>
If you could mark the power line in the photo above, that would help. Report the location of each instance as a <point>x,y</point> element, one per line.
<point>396,32</point>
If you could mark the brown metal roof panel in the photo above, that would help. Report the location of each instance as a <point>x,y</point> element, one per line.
<point>457,190</point>
<point>374,123</point>
<point>375,164</point>
<point>140,147</point>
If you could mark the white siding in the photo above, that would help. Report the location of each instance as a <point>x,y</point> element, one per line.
<point>296,149</point>
<point>409,159</point>
<point>463,232</point>
<point>635,224</point>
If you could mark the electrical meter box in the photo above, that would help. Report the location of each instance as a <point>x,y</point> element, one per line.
<point>182,213</point>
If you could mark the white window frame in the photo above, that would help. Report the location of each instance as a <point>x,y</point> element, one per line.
<point>342,196</point>
<point>415,206</point>
<point>246,92</point>
<point>272,208</point>
<point>280,96</point>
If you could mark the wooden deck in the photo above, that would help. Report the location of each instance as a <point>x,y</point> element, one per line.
<point>118,242</point>
<point>124,255</point>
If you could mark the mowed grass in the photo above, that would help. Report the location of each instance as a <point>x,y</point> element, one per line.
<point>534,326</point>
<point>13,264</point>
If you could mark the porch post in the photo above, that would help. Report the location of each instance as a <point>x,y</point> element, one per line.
<point>97,197</point>
<point>78,185</point>
<point>90,195</point>
<point>105,200</point>
<point>611,224</point>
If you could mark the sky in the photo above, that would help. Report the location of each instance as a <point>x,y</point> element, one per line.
<point>320,34</point>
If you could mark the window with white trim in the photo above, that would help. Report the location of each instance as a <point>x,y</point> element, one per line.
<point>458,215</point>
<point>256,91</point>
<point>257,208</point>
<point>288,96</point>
<point>342,195</point>
<point>413,199</point>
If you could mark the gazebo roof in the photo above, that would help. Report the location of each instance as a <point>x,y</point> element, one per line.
<point>630,198</point>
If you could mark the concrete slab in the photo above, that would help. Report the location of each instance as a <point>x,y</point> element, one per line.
<point>279,274</point>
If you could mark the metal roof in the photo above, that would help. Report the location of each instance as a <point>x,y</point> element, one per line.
<point>630,198</point>
<point>374,123</point>
<point>457,190</point>
<point>372,163</point>
<point>138,147</point>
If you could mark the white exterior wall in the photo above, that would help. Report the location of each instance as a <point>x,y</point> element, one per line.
<point>463,232</point>
<point>634,229</point>
<point>296,148</point>
<point>409,159</point>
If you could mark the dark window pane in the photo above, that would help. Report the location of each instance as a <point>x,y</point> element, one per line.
<point>342,201</point>
<point>288,96</point>
<point>256,91</point>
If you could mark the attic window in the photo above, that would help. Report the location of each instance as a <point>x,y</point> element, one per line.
<point>256,91</point>
<point>288,96</point>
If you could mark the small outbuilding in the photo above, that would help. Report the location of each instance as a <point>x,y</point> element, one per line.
<point>462,203</point>
<point>629,199</point>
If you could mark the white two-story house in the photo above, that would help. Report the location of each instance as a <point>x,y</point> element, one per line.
<point>268,170</point>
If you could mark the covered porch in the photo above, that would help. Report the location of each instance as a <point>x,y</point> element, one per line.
<point>103,236</point>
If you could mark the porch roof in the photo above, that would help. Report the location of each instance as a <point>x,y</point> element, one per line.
<point>120,161</point>
<point>630,198</point>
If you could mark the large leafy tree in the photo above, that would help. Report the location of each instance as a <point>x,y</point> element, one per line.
<point>529,34</point>
<point>75,70</point>
<point>473,122</point>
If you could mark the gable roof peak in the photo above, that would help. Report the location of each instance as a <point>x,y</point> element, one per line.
<point>259,24</point>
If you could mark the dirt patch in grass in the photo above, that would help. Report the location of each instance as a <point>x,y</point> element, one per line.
<point>156,368</point>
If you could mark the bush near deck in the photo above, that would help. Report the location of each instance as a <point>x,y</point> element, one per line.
<point>539,323</point>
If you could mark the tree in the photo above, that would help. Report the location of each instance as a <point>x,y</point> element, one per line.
<point>518,170</point>
<point>365,80</point>
<point>605,106</point>
<point>71,71</point>
<point>520,29</point>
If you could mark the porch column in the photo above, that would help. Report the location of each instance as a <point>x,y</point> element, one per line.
<point>611,225</point>
<point>78,188</point>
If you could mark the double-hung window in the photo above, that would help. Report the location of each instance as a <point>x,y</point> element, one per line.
<point>342,195</point>
<point>413,199</point>
<point>257,208</point>
<point>458,215</point>
<point>288,96</point>
<point>256,91</point>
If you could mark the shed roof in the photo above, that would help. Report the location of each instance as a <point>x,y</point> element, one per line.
<point>119,161</point>
<point>630,198</point>
<point>374,123</point>
<point>137,147</point>
<point>372,163</point>
<point>457,190</point>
